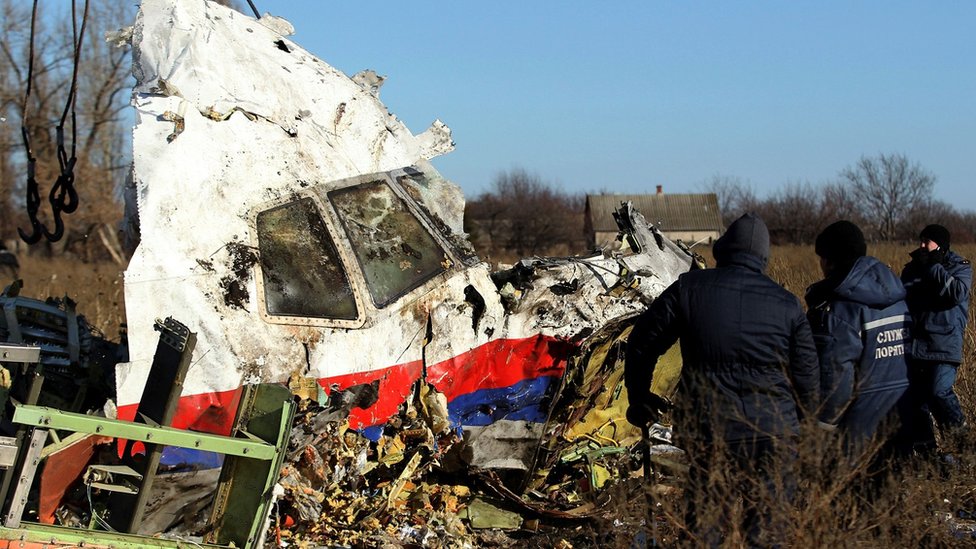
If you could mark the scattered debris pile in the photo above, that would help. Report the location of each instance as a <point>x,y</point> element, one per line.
<point>344,488</point>
<point>414,484</point>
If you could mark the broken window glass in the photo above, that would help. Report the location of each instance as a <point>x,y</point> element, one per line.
<point>300,265</point>
<point>442,207</point>
<point>396,252</point>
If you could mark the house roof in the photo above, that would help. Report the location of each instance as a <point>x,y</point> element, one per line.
<point>668,212</point>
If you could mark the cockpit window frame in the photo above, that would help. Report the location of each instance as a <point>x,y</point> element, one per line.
<point>365,306</point>
<point>354,278</point>
<point>444,261</point>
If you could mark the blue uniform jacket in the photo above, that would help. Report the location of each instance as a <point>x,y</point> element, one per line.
<point>861,327</point>
<point>938,297</point>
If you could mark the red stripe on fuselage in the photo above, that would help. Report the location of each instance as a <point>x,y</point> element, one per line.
<point>498,363</point>
<point>206,412</point>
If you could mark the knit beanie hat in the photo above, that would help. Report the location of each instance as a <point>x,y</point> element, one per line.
<point>748,234</point>
<point>841,242</point>
<point>937,234</point>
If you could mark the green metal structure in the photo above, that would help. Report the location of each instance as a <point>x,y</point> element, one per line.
<point>254,454</point>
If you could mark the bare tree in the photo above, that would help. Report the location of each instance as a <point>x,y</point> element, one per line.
<point>102,115</point>
<point>524,215</point>
<point>960,224</point>
<point>794,214</point>
<point>964,227</point>
<point>887,188</point>
<point>838,202</point>
<point>735,196</point>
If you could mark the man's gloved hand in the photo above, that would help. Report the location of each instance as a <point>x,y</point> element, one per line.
<point>920,256</point>
<point>646,409</point>
<point>936,256</point>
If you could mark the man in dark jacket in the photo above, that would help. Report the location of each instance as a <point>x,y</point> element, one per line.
<point>861,326</point>
<point>938,282</point>
<point>749,372</point>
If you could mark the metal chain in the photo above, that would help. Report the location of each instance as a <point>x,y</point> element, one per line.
<point>33,197</point>
<point>63,196</point>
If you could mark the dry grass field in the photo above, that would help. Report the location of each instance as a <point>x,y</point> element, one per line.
<point>923,504</point>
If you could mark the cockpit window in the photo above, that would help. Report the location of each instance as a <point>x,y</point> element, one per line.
<point>442,207</point>
<point>394,249</point>
<point>301,270</point>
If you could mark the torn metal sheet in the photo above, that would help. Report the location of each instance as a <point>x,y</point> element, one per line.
<point>298,228</point>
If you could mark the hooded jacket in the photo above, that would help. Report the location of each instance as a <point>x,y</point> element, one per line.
<point>749,365</point>
<point>861,328</point>
<point>938,297</point>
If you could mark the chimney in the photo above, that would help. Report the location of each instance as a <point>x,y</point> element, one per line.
<point>660,189</point>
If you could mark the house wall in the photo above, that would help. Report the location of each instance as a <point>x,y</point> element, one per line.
<point>606,238</point>
<point>691,237</point>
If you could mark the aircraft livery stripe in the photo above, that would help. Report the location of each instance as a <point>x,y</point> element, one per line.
<point>504,379</point>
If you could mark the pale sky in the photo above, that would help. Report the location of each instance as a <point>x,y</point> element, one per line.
<point>623,96</point>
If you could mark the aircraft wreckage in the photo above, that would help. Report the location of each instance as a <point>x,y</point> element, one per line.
<point>299,232</point>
